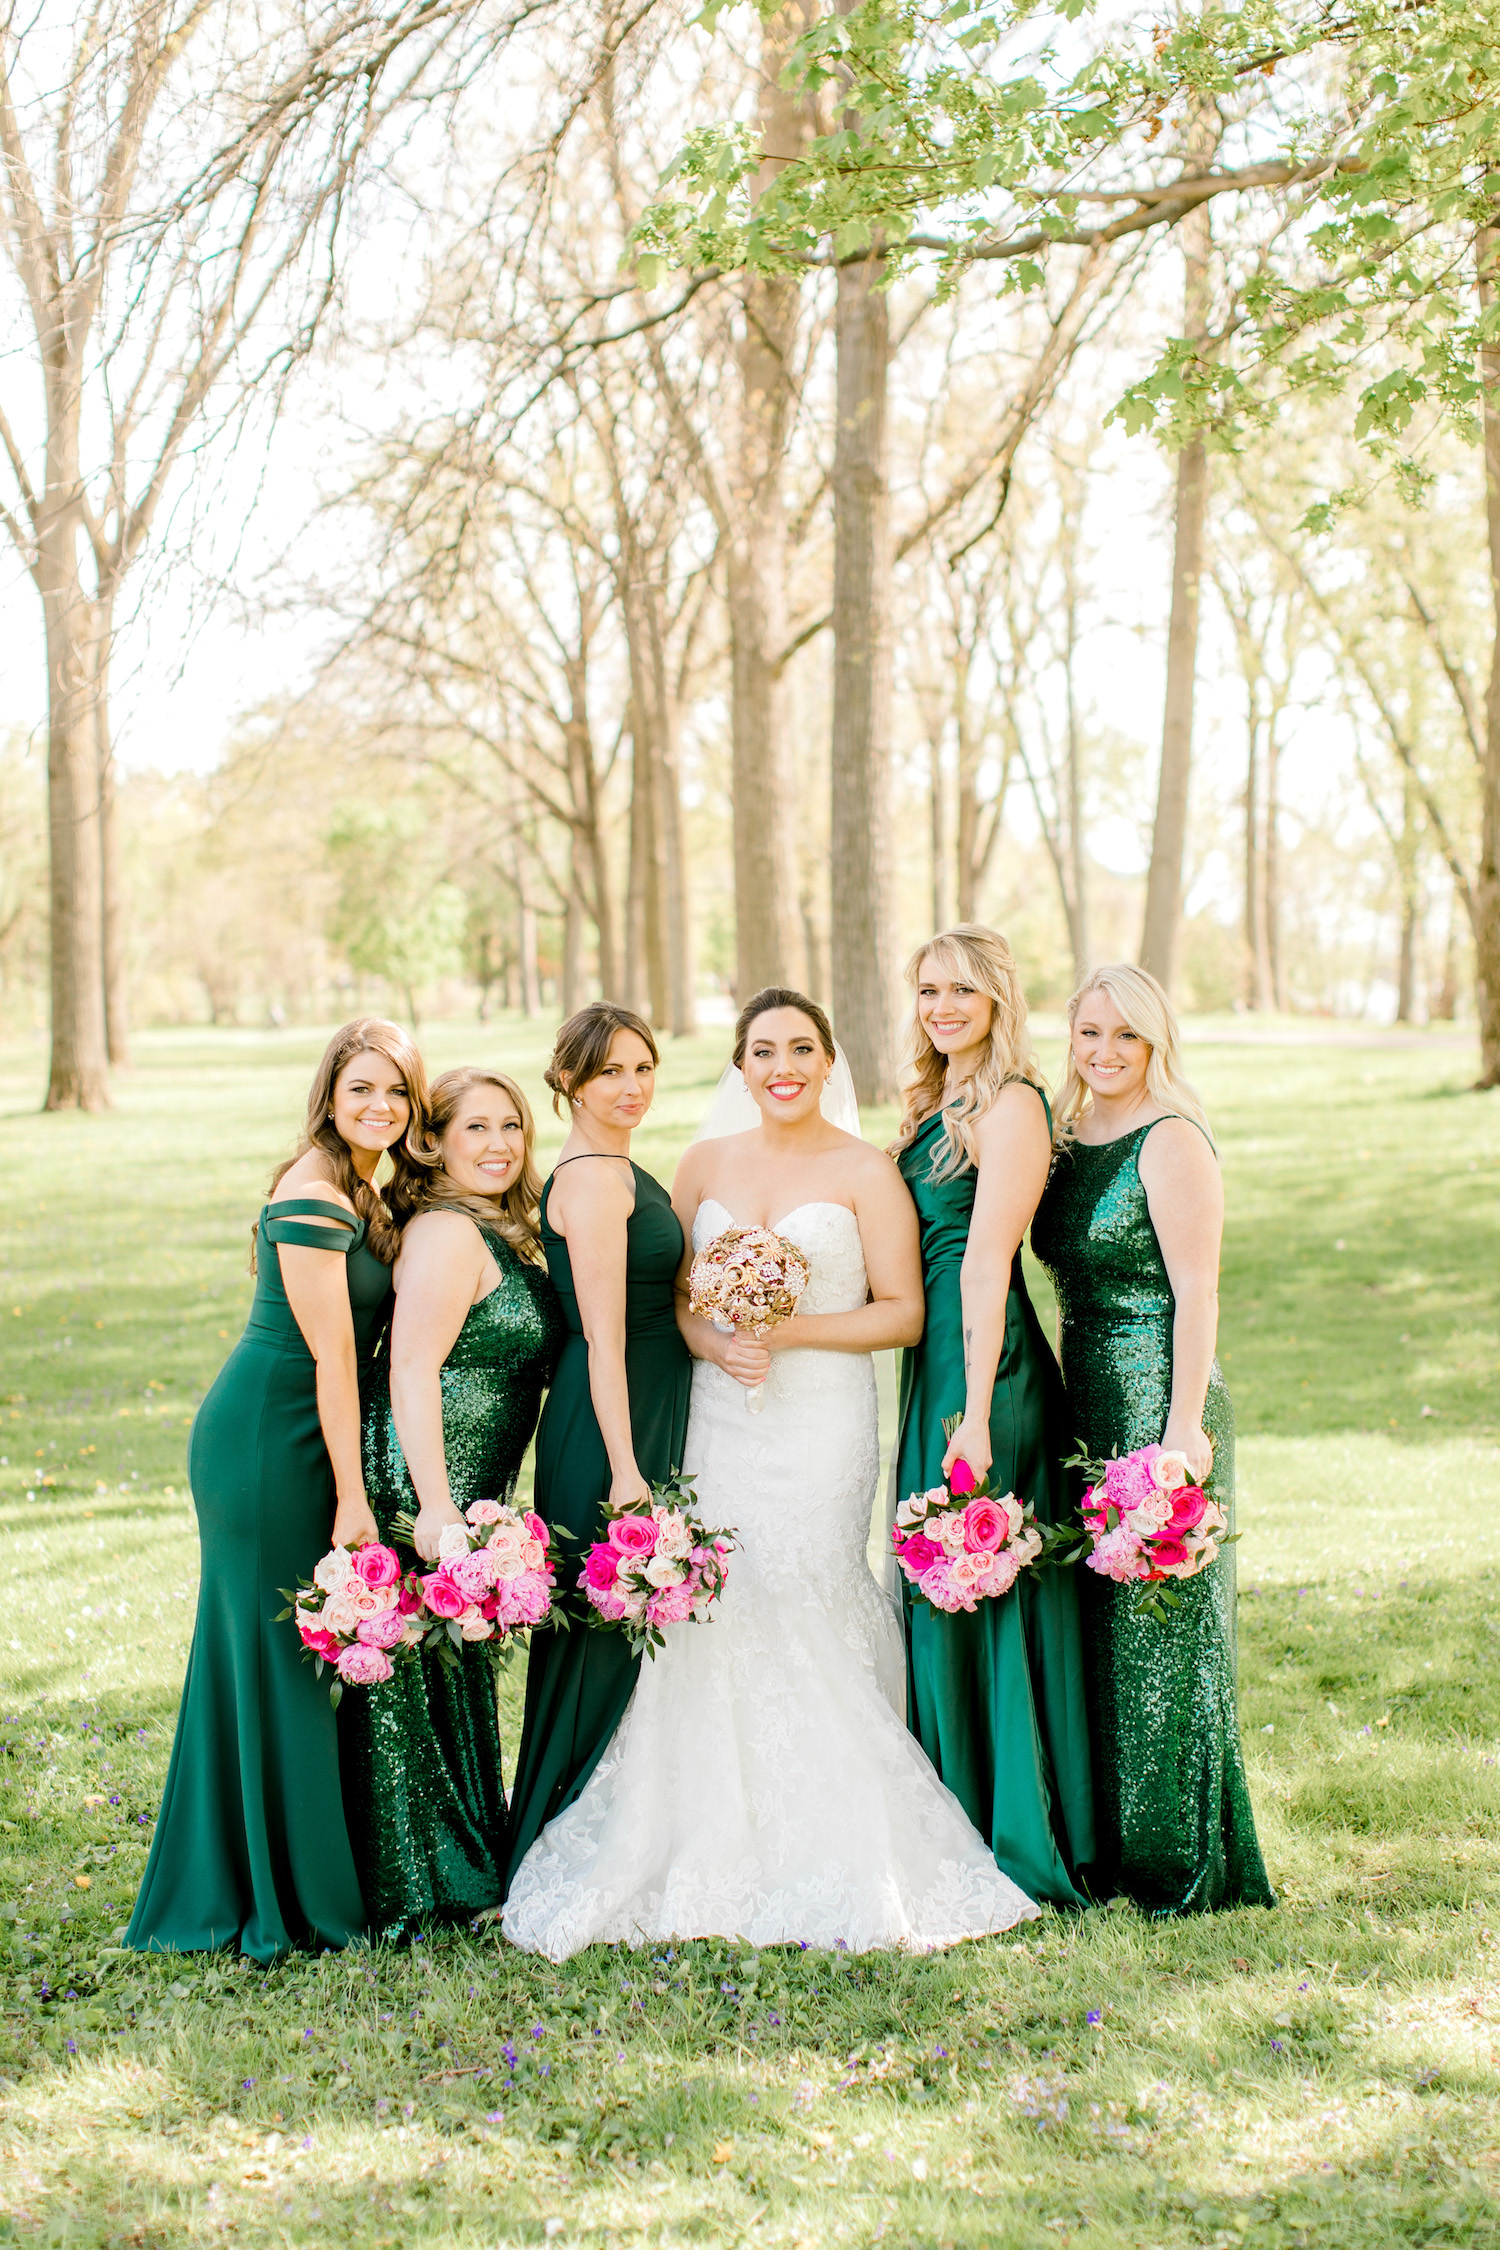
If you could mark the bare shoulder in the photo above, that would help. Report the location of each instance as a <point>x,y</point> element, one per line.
<point>1177,1152</point>
<point>442,1234</point>
<point>870,1171</point>
<point>592,1188</point>
<point>310,1179</point>
<point>1018,1112</point>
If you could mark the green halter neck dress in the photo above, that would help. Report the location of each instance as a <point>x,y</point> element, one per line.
<point>996,1696</point>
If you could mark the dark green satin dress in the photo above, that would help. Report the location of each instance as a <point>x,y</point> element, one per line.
<point>1176,1828</point>
<point>996,1698</point>
<point>423,1794</point>
<point>578,1682</point>
<point>250,1847</point>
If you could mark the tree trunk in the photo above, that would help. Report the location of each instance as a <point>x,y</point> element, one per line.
<point>1271,864</point>
<point>764,774</point>
<point>1408,875</point>
<point>676,916</point>
<point>1169,835</point>
<point>1078,903</point>
<point>78,1076</point>
<point>862,905</point>
<point>939,812</point>
<point>1487,875</point>
<point>642,822</point>
<point>1257,980</point>
<point>571,997</point>
<point>530,980</point>
<point>111,880</point>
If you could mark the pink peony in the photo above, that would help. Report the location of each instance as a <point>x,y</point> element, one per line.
<point>378,1566</point>
<point>938,1585</point>
<point>609,1604</point>
<point>472,1575</point>
<point>523,1601</point>
<point>1129,1481</point>
<point>602,1568</point>
<point>442,1597</point>
<point>1005,1573</point>
<point>1187,1508</point>
<point>961,1477</point>
<point>536,1529</point>
<point>386,1631</point>
<point>633,1535</point>
<point>364,1667</point>
<point>671,1606</point>
<point>321,1643</point>
<point>920,1553</point>
<point>483,1511</point>
<point>1118,1556</point>
<point>985,1528</point>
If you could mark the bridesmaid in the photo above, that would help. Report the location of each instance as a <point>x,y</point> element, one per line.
<point>995,1698</point>
<point>1129,1230</point>
<point>250,1847</point>
<point>449,1412</point>
<point>617,1415</point>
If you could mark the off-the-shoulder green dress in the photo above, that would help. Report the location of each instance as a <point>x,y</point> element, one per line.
<point>250,1848</point>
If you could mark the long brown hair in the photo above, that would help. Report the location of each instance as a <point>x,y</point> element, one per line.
<point>979,957</point>
<point>512,1215</point>
<point>384,1214</point>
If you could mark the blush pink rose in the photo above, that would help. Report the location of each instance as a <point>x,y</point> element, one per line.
<point>362,1666</point>
<point>1187,1508</point>
<point>386,1631</point>
<point>633,1535</point>
<point>474,1625</point>
<point>961,1477</point>
<point>602,1568</point>
<point>920,1553</point>
<point>442,1597</point>
<point>985,1528</point>
<point>377,1565</point>
<point>483,1511</point>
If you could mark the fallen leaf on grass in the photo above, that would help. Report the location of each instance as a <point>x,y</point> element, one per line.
<point>723,2150</point>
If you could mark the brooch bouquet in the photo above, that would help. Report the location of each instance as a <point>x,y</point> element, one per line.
<point>1147,1523</point>
<point>959,1544</point>
<point>748,1277</point>
<point>359,1613</point>
<point>493,1579</point>
<point>659,1564</point>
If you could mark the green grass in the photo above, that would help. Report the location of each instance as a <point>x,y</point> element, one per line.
<point>1323,2075</point>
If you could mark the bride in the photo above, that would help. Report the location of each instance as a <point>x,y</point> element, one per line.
<point>762,1783</point>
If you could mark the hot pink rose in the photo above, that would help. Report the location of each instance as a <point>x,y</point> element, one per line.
<point>408,1602</point>
<point>321,1643</point>
<point>442,1597</point>
<point>985,1528</point>
<point>961,1477</point>
<point>1168,1553</point>
<point>364,1667</point>
<point>536,1529</point>
<point>386,1631</point>
<point>920,1553</point>
<point>378,1566</point>
<point>483,1511</point>
<point>1187,1508</point>
<point>633,1535</point>
<point>602,1567</point>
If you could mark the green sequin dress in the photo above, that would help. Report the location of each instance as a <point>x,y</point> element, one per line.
<point>250,1847</point>
<point>423,1795</point>
<point>578,1682</point>
<point>996,1698</point>
<point>1176,1828</point>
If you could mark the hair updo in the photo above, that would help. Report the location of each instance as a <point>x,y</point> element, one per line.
<point>780,996</point>
<point>582,1046</point>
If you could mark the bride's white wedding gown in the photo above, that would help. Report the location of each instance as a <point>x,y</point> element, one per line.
<point>763,1783</point>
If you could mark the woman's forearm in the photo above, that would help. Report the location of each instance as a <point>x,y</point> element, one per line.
<point>610,1393</point>
<point>1195,1327</point>
<point>983,1300</point>
<point>877,1327</point>
<point>417,1410</point>
<point>338,1414</point>
<point>703,1340</point>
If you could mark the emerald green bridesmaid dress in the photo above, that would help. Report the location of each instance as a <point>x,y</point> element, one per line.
<point>996,1698</point>
<point>1177,1832</point>
<point>423,1794</point>
<point>579,1681</point>
<point>250,1847</point>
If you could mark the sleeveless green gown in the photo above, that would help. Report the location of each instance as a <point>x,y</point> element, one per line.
<point>423,1795</point>
<point>1176,1827</point>
<point>578,1682</point>
<point>996,1698</point>
<point>250,1847</point>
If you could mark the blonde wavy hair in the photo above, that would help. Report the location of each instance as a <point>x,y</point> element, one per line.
<point>1148,1013</point>
<point>974,955</point>
<point>512,1215</point>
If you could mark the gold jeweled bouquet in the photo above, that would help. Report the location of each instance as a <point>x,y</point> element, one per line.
<point>748,1277</point>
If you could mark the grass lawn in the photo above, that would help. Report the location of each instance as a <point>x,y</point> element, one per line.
<point>1327,2074</point>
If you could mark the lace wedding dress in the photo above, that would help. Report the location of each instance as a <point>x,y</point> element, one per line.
<point>762,1783</point>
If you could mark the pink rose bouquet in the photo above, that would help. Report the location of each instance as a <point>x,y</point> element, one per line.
<point>357,1614</point>
<point>1147,1523</point>
<point>658,1564</point>
<point>960,1545</point>
<point>748,1277</point>
<point>493,1579</point>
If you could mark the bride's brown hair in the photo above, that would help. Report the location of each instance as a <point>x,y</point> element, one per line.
<point>384,1214</point>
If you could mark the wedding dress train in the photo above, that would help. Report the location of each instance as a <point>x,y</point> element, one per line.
<point>763,1784</point>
